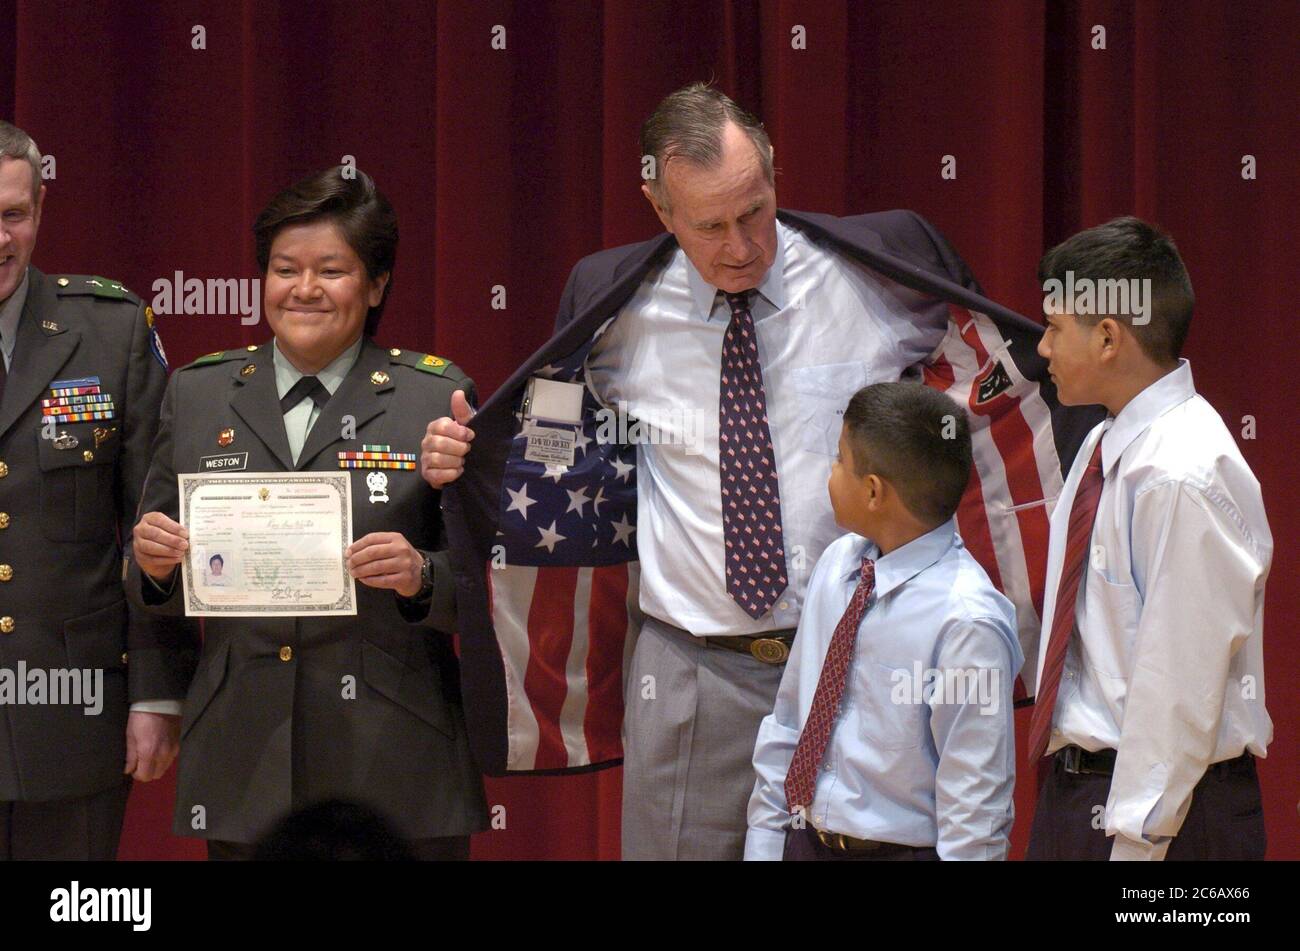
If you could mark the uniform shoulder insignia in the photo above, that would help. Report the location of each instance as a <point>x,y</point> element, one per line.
<point>219,356</point>
<point>426,362</point>
<point>70,285</point>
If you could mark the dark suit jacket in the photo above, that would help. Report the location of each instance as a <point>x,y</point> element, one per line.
<point>65,510</point>
<point>263,734</point>
<point>900,245</point>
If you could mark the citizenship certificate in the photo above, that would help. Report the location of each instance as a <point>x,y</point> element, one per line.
<point>267,543</point>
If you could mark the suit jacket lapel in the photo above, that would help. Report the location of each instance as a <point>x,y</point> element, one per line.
<point>258,404</point>
<point>39,353</point>
<point>358,396</point>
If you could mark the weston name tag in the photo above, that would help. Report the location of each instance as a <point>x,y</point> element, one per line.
<point>230,462</point>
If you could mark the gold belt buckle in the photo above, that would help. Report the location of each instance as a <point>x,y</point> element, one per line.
<point>769,650</point>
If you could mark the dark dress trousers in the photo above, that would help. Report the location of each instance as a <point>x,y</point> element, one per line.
<point>271,723</point>
<point>66,505</point>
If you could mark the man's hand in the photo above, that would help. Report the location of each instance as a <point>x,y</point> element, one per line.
<point>159,545</point>
<point>386,560</point>
<point>152,741</point>
<point>445,444</point>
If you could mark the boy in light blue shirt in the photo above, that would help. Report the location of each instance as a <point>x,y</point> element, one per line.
<point>892,737</point>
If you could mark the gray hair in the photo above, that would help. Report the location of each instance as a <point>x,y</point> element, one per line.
<point>689,124</point>
<point>17,144</point>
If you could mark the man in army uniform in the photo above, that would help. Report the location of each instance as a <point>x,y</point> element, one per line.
<point>80,383</point>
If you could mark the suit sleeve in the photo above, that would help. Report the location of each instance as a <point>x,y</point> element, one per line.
<point>162,650</point>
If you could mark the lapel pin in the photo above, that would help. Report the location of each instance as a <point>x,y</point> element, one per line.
<point>102,434</point>
<point>379,378</point>
<point>248,370</point>
<point>226,437</point>
<point>377,483</point>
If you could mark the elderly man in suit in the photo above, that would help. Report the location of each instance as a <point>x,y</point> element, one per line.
<point>760,325</point>
<point>287,711</point>
<point>81,379</point>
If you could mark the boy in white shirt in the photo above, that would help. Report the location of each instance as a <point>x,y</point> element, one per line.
<point>1150,679</point>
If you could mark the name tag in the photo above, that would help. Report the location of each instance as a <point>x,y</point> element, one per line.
<point>552,447</point>
<point>230,462</point>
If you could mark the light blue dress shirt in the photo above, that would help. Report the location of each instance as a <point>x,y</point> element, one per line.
<point>826,327</point>
<point>923,750</point>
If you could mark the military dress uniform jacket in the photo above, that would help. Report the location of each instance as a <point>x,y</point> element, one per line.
<point>66,505</point>
<point>286,711</point>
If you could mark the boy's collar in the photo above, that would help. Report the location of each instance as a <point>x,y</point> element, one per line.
<point>906,561</point>
<point>1172,389</point>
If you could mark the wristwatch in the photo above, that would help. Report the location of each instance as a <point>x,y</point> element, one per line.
<point>426,580</point>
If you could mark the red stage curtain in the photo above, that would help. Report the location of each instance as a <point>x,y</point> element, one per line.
<point>508,165</point>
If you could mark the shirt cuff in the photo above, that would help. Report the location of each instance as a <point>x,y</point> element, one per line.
<point>171,708</point>
<point>1134,850</point>
<point>764,845</point>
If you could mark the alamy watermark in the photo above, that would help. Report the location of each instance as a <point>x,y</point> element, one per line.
<point>58,686</point>
<point>672,425</point>
<point>979,686</point>
<point>215,297</point>
<point>1108,297</point>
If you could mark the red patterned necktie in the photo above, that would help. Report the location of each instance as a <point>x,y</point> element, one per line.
<point>1078,537</point>
<point>751,502</point>
<point>801,779</point>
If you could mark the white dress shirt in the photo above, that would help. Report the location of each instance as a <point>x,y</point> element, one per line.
<point>1166,662</point>
<point>928,766</point>
<point>826,327</point>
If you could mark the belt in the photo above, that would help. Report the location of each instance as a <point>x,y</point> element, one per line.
<point>769,648</point>
<point>846,843</point>
<point>1076,760</point>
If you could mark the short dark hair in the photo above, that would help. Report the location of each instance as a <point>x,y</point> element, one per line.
<point>348,198</point>
<point>17,144</point>
<point>916,439</point>
<point>689,123</point>
<point>1127,249</point>
<point>216,558</point>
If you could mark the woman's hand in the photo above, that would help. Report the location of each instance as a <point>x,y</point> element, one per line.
<point>159,544</point>
<point>386,560</point>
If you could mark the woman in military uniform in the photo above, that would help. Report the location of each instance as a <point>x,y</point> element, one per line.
<point>285,711</point>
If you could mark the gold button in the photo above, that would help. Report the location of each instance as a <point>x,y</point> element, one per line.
<point>286,653</point>
<point>252,348</point>
<point>62,282</point>
<point>88,455</point>
<point>6,573</point>
<point>394,352</point>
<point>124,656</point>
<point>4,519</point>
<point>6,625</point>
<point>4,469</point>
